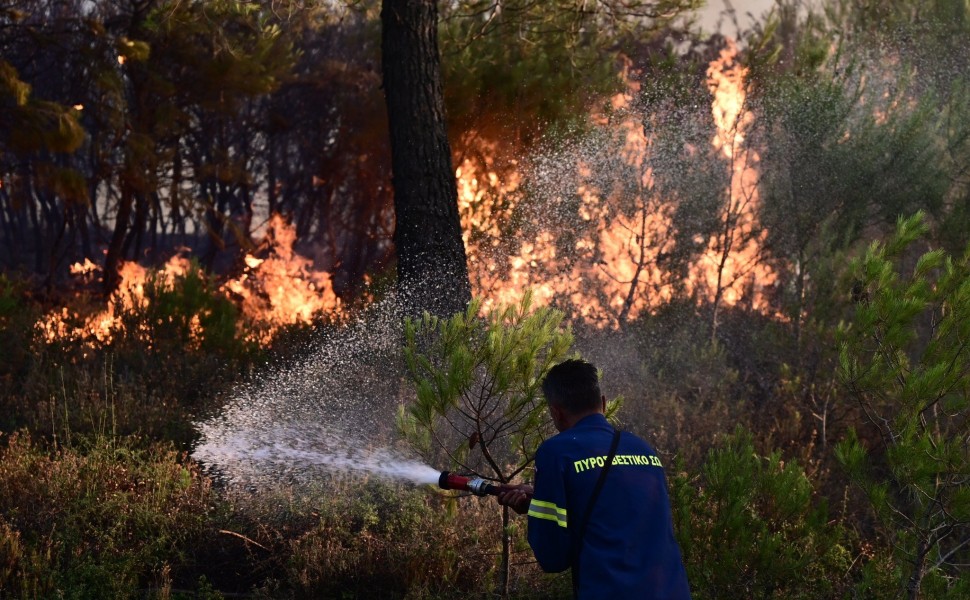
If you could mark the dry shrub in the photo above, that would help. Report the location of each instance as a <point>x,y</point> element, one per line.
<point>97,519</point>
<point>372,540</point>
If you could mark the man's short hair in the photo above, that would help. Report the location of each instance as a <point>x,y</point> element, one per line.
<point>573,385</point>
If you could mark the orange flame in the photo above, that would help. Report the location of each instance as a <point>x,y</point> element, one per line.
<point>614,275</point>
<point>283,288</point>
<point>278,290</point>
<point>732,266</point>
<point>102,327</point>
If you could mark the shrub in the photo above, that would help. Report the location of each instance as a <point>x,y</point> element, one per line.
<point>749,527</point>
<point>171,355</point>
<point>17,318</point>
<point>479,404</point>
<point>186,311</point>
<point>905,358</point>
<point>380,541</point>
<point>100,519</point>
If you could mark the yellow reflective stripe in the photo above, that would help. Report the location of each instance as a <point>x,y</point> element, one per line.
<point>551,505</point>
<point>561,521</point>
<point>547,510</point>
<point>556,512</point>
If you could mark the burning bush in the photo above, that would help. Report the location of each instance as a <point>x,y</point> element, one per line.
<point>180,304</point>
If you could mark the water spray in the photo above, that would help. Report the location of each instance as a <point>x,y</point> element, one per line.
<point>477,486</point>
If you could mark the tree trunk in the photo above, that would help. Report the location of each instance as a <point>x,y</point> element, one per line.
<point>915,580</point>
<point>431,267</point>
<point>506,566</point>
<point>112,259</point>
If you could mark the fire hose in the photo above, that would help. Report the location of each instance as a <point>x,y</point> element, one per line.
<point>477,486</point>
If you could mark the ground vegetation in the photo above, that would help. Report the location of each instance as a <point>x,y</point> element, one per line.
<point>791,338</point>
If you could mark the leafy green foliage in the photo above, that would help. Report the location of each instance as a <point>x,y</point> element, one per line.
<point>30,124</point>
<point>750,526</point>
<point>832,170</point>
<point>17,319</point>
<point>905,358</point>
<point>478,385</point>
<point>543,62</point>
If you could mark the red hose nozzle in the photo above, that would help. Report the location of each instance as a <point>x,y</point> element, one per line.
<point>477,486</point>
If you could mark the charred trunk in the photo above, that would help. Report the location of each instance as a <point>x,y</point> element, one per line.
<point>431,266</point>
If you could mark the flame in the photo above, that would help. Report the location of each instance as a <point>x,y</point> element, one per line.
<point>726,82</point>
<point>487,196</point>
<point>283,288</point>
<point>610,273</point>
<point>84,268</point>
<point>279,290</point>
<point>732,271</point>
<point>613,273</point>
<point>103,326</point>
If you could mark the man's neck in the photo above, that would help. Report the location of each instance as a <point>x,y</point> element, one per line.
<point>571,420</point>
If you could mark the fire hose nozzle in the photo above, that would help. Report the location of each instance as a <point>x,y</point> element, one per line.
<point>477,486</point>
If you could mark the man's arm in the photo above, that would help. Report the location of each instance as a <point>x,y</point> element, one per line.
<point>548,518</point>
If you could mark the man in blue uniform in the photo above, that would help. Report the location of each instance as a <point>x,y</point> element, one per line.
<point>626,549</point>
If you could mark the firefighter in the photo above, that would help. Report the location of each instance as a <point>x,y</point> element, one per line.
<point>613,528</point>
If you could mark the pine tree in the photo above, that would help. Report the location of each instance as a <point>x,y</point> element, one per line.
<point>479,404</point>
<point>905,358</point>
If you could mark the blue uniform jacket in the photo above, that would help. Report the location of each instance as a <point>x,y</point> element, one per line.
<point>629,548</point>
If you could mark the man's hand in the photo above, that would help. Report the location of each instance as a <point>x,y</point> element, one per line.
<point>516,497</point>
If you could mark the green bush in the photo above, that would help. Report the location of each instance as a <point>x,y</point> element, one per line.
<point>17,319</point>
<point>187,312</point>
<point>101,519</point>
<point>683,390</point>
<point>750,527</point>
<point>173,355</point>
<point>478,404</point>
<point>905,358</point>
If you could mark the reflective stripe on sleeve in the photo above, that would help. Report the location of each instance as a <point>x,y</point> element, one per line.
<point>547,510</point>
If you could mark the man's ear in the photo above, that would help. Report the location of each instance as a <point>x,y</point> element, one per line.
<point>558,415</point>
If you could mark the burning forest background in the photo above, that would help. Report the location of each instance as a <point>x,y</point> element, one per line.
<point>196,196</point>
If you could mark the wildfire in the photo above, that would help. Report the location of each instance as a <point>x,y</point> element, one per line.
<point>605,267</point>
<point>102,327</point>
<point>283,288</point>
<point>83,268</point>
<point>732,265</point>
<point>613,269</point>
<point>280,289</point>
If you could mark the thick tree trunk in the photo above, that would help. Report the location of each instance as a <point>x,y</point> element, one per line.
<point>431,267</point>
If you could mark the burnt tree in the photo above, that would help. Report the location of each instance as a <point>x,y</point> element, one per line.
<point>431,267</point>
